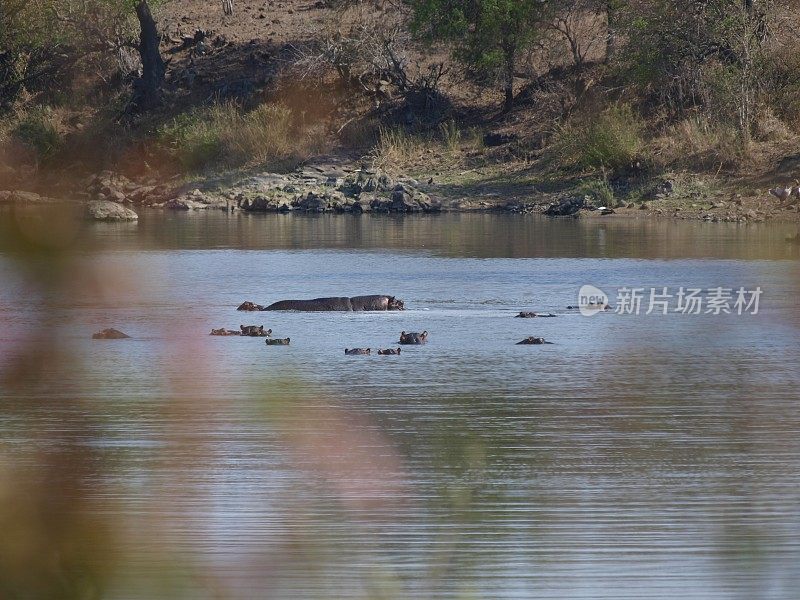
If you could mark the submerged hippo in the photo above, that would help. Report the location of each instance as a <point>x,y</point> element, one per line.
<point>277,342</point>
<point>357,351</point>
<point>533,315</point>
<point>413,338</point>
<point>250,306</point>
<point>343,304</point>
<point>110,334</point>
<point>255,331</point>
<point>389,352</point>
<point>225,332</point>
<point>533,341</point>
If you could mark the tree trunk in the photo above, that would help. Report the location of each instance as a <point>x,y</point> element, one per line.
<point>148,90</point>
<point>611,34</point>
<point>510,65</point>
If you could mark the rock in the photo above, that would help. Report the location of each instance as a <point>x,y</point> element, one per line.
<point>567,207</point>
<point>366,181</point>
<point>312,203</point>
<point>184,203</point>
<point>21,197</point>
<point>380,205</point>
<point>140,194</point>
<point>278,342</point>
<point>406,199</point>
<point>110,334</point>
<point>104,210</point>
<point>258,204</point>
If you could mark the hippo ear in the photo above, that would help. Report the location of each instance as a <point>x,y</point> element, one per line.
<point>402,333</point>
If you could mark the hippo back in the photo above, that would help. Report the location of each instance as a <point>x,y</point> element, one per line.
<point>317,304</point>
<point>368,303</point>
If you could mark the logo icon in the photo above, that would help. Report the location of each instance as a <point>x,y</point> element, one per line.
<point>591,300</point>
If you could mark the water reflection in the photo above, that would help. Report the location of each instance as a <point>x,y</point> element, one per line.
<point>456,235</point>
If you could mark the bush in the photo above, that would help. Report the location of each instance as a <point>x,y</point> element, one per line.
<point>610,140</point>
<point>37,132</point>
<point>225,134</point>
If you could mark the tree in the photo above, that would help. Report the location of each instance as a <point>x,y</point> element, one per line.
<point>153,68</point>
<point>700,53</point>
<point>489,35</point>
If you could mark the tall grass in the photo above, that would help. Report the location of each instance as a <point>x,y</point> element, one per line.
<point>698,143</point>
<point>396,148</point>
<point>224,134</point>
<point>451,135</point>
<point>611,140</point>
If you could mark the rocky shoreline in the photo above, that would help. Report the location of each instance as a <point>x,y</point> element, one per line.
<point>347,189</point>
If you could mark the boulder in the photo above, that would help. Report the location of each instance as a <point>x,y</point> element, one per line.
<point>104,210</point>
<point>406,199</point>
<point>567,207</point>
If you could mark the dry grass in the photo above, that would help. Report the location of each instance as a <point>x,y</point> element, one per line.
<point>697,143</point>
<point>611,140</point>
<point>397,149</point>
<point>269,135</point>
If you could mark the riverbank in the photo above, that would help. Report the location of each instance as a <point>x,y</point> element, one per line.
<point>342,185</point>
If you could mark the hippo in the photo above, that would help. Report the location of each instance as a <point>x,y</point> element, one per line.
<point>357,351</point>
<point>277,342</point>
<point>110,334</point>
<point>341,304</point>
<point>255,331</point>
<point>533,315</point>
<point>250,307</point>
<point>533,341</point>
<point>413,338</point>
<point>224,332</point>
<point>389,352</point>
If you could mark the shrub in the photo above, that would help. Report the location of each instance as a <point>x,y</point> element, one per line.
<point>610,140</point>
<point>38,132</point>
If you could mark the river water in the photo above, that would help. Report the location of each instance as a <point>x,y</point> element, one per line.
<point>637,456</point>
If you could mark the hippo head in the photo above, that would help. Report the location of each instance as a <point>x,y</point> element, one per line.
<point>395,304</point>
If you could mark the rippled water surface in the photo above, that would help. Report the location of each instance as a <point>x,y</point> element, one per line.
<point>635,457</point>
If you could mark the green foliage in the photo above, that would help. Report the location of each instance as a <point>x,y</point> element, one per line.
<point>192,140</point>
<point>709,55</point>
<point>223,133</point>
<point>37,132</point>
<point>487,35</point>
<point>612,140</point>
